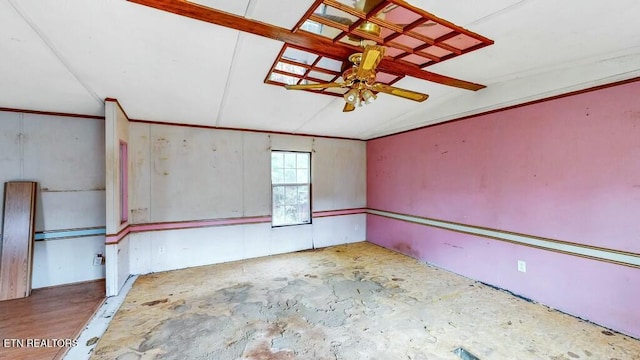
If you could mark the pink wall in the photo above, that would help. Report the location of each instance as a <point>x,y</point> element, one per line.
<point>565,169</point>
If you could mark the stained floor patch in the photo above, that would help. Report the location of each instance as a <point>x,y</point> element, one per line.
<point>355,301</point>
<point>155,302</point>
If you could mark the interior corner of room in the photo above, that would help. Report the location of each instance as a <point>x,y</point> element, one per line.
<point>161,148</point>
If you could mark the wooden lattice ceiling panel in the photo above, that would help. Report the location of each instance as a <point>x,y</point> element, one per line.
<point>295,65</point>
<point>409,33</point>
<point>411,47</point>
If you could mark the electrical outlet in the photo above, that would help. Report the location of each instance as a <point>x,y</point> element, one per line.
<point>522,266</point>
<point>98,260</point>
<point>161,249</point>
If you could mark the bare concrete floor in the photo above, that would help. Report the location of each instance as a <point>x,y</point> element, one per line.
<point>351,302</point>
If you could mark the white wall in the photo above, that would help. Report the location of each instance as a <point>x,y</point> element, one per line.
<point>175,249</point>
<point>339,170</point>
<point>116,131</point>
<point>175,174</point>
<point>65,155</point>
<point>117,254</point>
<point>118,268</point>
<point>336,230</point>
<point>66,261</point>
<point>180,173</point>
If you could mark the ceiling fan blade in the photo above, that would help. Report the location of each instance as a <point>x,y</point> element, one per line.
<point>313,86</point>
<point>348,107</point>
<point>371,57</point>
<point>407,94</point>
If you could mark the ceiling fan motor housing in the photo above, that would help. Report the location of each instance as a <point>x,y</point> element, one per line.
<point>370,28</point>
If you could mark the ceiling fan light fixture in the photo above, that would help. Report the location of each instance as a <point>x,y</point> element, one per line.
<point>352,97</point>
<point>359,81</point>
<point>368,96</point>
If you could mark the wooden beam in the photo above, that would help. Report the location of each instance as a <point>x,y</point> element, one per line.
<point>318,44</point>
<point>414,71</point>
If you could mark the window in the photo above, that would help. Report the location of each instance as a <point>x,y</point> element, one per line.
<point>290,188</point>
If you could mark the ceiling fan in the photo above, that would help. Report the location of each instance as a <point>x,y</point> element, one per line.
<point>368,14</point>
<point>361,81</point>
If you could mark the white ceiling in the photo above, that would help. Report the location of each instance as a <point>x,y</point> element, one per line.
<point>69,55</point>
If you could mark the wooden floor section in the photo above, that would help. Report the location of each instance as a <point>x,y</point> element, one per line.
<point>348,302</point>
<point>59,312</point>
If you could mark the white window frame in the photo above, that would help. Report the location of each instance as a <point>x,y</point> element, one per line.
<point>282,202</point>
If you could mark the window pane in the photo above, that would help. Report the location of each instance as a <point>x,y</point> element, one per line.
<point>303,176</point>
<point>291,195</point>
<point>303,206</point>
<point>303,195</point>
<point>278,195</point>
<point>304,216</point>
<point>290,160</point>
<point>303,161</point>
<point>278,216</point>
<point>290,176</point>
<point>277,160</point>
<point>277,176</point>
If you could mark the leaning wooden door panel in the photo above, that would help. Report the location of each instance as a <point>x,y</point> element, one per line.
<point>16,248</point>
